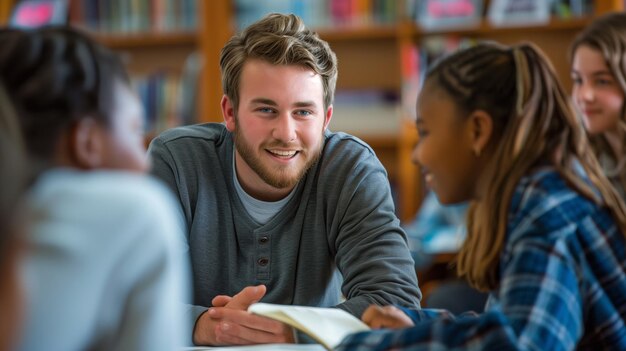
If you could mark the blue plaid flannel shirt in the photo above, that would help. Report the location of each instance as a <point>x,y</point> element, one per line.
<point>562,283</point>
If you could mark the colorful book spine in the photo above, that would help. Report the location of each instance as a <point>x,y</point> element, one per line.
<point>133,16</point>
<point>321,13</point>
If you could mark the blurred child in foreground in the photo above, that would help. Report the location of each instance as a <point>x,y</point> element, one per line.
<point>102,270</point>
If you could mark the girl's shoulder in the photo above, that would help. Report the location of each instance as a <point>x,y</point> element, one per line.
<point>102,196</point>
<point>546,205</point>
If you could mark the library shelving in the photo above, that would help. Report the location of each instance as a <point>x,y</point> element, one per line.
<point>5,11</point>
<point>370,55</point>
<point>370,58</point>
<point>158,41</point>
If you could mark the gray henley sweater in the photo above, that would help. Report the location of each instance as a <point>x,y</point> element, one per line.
<point>338,235</point>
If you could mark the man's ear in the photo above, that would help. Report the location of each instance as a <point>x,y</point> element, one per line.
<point>328,117</point>
<point>481,129</point>
<point>228,112</point>
<point>87,144</point>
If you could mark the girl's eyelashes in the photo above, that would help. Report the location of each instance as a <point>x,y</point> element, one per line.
<point>577,80</point>
<point>603,82</point>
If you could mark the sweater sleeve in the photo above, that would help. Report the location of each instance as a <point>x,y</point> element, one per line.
<point>371,248</point>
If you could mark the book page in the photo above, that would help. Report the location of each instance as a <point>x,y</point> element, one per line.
<point>328,326</point>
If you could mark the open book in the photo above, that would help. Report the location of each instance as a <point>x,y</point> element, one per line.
<point>328,326</point>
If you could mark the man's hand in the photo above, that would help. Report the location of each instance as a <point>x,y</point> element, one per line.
<point>386,317</point>
<point>229,323</point>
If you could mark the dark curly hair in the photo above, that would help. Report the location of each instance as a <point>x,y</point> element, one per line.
<point>56,76</point>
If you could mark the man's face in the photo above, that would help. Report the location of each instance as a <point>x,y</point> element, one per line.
<point>278,127</point>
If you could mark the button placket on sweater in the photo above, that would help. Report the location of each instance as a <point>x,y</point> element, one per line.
<point>263,253</point>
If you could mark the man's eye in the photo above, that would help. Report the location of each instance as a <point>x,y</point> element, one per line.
<point>304,113</point>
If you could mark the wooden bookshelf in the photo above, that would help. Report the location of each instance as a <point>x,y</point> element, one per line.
<point>604,6</point>
<point>161,41</point>
<point>216,27</point>
<point>485,28</point>
<point>360,49</point>
<point>358,33</point>
<point>5,11</point>
<point>155,41</point>
<point>553,38</point>
<point>369,58</point>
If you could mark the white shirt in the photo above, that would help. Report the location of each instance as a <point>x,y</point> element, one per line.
<point>105,270</point>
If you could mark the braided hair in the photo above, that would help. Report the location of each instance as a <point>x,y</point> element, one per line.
<point>56,76</point>
<point>534,123</point>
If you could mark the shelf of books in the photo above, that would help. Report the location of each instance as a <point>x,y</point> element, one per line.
<point>384,46</point>
<point>433,30</point>
<point>358,32</point>
<point>158,40</point>
<point>145,40</point>
<point>485,28</point>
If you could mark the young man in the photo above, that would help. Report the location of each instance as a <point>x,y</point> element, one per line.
<point>277,207</point>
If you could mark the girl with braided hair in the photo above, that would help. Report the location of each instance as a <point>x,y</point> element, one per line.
<point>102,271</point>
<point>598,56</point>
<point>546,229</point>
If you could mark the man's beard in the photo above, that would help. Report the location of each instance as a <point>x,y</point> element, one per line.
<point>277,177</point>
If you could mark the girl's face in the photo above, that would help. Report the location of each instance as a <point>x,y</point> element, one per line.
<point>596,93</point>
<point>124,138</point>
<point>445,148</point>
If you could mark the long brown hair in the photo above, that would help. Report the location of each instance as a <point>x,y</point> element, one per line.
<point>607,35</point>
<point>534,122</point>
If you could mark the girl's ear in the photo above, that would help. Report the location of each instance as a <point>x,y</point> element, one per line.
<point>481,129</point>
<point>87,144</point>
<point>228,112</point>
